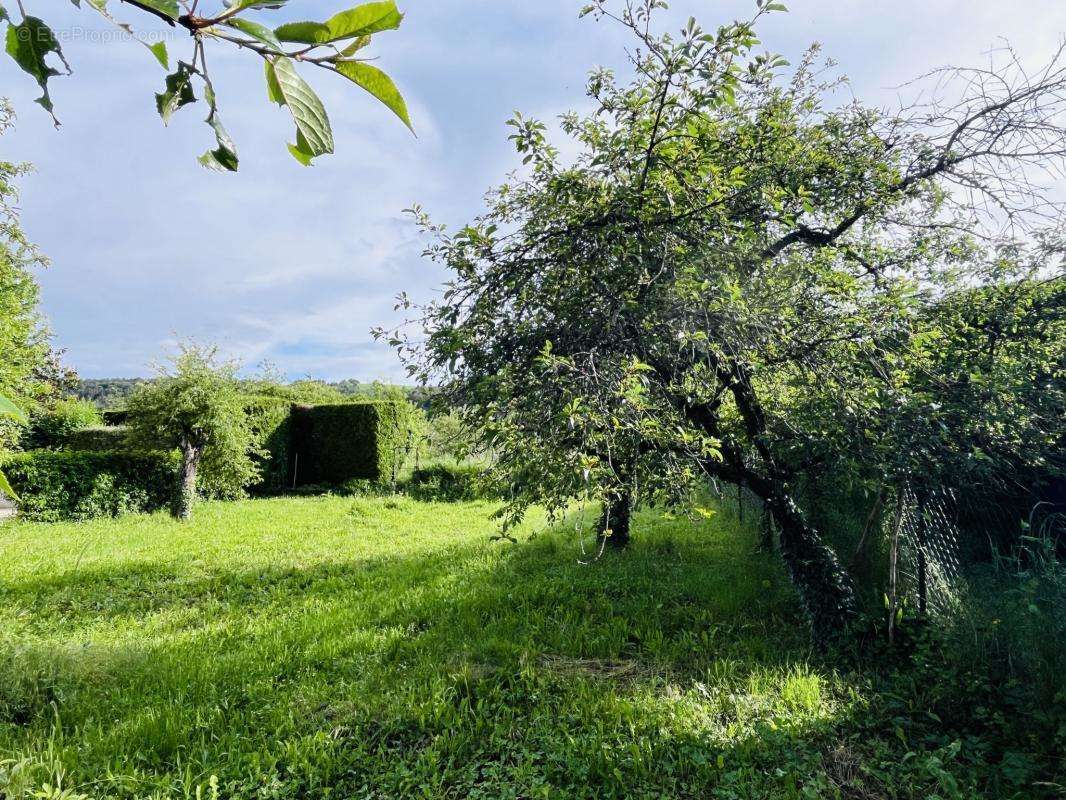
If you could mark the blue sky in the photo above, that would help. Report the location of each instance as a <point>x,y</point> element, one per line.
<point>295,265</point>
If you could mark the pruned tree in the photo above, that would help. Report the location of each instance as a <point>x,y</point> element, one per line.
<point>197,407</point>
<point>728,239</point>
<point>334,45</point>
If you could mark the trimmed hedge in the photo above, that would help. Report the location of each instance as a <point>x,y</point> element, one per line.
<point>335,444</point>
<point>101,438</point>
<point>115,416</point>
<point>79,485</point>
<point>270,419</point>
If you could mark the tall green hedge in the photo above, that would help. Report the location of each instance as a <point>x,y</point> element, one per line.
<point>337,443</point>
<point>65,484</point>
<point>98,438</point>
<point>270,419</point>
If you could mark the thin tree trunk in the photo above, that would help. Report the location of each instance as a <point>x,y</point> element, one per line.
<point>824,586</point>
<point>186,494</point>
<point>615,520</point>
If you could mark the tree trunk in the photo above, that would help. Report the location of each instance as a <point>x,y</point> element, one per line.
<point>615,520</point>
<point>186,494</point>
<point>824,586</point>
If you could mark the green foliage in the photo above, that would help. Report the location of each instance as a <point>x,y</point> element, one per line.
<point>82,485</point>
<point>23,341</point>
<point>270,421</point>
<point>449,483</point>
<point>302,392</point>
<point>738,276</point>
<point>54,425</point>
<point>331,45</point>
<point>107,393</point>
<point>382,647</point>
<point>1012,618</point>
<point>444,438</point>
<point>197,407</point>
<point>336,443</point>
<point>99,438</point>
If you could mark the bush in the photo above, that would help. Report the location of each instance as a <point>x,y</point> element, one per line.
<point>52,427</point>
<point>449,484</point>
<point>269,419</point>
<point>81,485</point>
<point>334,444</point>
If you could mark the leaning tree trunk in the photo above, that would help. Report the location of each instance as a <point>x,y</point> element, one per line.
<point>615,519</point>
<point>824,586</point>
<point>186,493</point>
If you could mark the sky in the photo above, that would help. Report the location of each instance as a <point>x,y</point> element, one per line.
<point>293,265</point>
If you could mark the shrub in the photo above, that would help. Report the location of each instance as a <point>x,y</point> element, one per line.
<point>81,485</point>
<point>52,427</point>
<point>334,444</point>
<point>449,483</point>
<point>269,419</point>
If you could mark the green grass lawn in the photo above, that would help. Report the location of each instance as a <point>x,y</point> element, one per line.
<point>380,647</point>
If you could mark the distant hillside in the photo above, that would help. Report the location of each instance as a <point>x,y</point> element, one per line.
<point>107,392</point>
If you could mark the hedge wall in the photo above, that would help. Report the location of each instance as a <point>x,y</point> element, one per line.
<point>270,419</point>
<point>337,443</point>
<point>106,438</point>
<point>69,484</point>
<point>115,416</point>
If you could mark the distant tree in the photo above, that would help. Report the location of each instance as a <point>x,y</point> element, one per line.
<point>303,392</point>
<point>638,320</point>
<point>331,45</point>
<point>197,406</point>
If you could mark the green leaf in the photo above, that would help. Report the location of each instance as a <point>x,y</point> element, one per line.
<point>241,5</point>
<point>178,92</point>
<point>9,409</point>
<point>314,135</point>
<point>273,89</point>
<point>301,151</point>
<point>258,32</point>
<point>378,84</point>
<point>159,50</point>
<point>168,8</point>
<point>224,157</point>
<point>359,21</point>
<point>5,487</point>
<point>29,43</point>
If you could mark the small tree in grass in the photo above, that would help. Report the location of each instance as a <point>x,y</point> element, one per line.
<point>197,407</point>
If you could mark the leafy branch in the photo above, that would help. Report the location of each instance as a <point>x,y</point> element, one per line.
<point>331,45</point>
